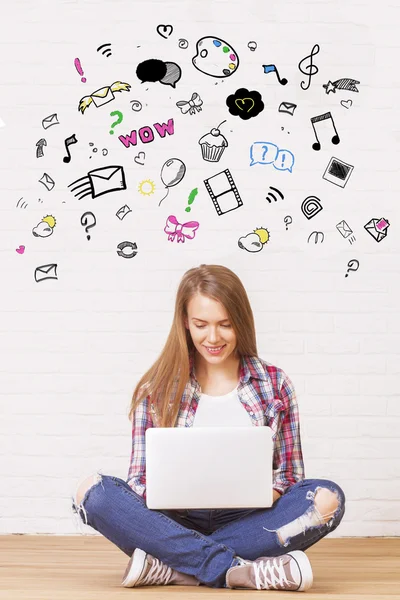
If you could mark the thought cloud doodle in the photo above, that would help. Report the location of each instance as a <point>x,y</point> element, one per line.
<point>266,153</point>
<point>153,69</point>
<point>245,103</point>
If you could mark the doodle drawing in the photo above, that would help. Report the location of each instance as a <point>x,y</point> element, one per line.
<point>99,182</point>
<point>338,172</point>
<point>103,95</point>
<point>322,119</point>
<point>310,69</point>
<point>213,144</point>
<point>215,57</point>
<point>172,173</point>
<point>254,242</point>
<point>223,192</point>
<point>146,133</point>
<point>153,69</point>
<point>180,231</point>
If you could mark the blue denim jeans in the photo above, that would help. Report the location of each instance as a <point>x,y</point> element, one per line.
<point>205,543</point>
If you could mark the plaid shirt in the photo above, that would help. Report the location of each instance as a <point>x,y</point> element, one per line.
<point>267,395</point>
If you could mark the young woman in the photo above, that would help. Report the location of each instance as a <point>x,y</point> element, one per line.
<point>209,372</point>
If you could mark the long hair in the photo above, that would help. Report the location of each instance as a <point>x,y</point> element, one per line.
<point>166,380</point>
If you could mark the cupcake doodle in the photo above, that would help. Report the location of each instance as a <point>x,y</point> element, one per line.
<point>213,144</point>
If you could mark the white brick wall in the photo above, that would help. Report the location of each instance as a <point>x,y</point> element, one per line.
<point>73,349</point>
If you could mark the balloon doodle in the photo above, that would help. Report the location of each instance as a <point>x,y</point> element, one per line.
<point>172,172</point>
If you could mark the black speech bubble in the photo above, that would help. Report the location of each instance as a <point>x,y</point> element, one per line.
<point>151,70</point>
<point>245,103</point>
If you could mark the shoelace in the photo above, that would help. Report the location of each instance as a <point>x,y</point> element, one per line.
<point>265,576</point>
<point>158,574</point>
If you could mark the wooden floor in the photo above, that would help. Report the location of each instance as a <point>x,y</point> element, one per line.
<point>36,567</point>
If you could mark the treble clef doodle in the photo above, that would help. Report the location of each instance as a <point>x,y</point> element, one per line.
<point>313,69</point>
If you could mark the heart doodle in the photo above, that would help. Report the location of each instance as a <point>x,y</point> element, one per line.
<point>137,158</point>
<point>243,101</point>
<point>20,250</point>
<point>346,103</point>
<point>165,29</point>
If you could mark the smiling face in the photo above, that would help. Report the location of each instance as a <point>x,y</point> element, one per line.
<point>215,57</point>
<point>210,327</point>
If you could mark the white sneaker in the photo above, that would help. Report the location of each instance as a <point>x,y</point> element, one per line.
<point>145,569</point>
<point>289,572</point>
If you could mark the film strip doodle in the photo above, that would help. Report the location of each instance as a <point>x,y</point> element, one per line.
<point>223,192</point>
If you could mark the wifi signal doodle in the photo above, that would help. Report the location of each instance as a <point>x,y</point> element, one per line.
<point>106,51</point>
<point>22,205</point>
<point>273,197</point>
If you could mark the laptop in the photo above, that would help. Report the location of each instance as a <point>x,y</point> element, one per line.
<point>209,467</point>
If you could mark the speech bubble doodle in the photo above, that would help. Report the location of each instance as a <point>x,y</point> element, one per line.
<point>266,153</point>
<point>153,69</point>
<point>263,153</point>
<point>284,161</point>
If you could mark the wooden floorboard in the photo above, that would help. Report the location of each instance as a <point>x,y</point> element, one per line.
<point>36,567</point>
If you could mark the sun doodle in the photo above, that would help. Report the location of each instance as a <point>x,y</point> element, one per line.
<point>146,187</point>
<point>263,234</point>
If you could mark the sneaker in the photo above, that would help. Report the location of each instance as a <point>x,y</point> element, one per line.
<point>145,569</point>
<point>289,572</point>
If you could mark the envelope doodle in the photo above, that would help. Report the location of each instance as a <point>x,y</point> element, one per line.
<point>344,229</point>
<point>47,181</point>
<point>46,272</point>
<point>99,182</point>
<point>50,120</point>
<point>377,228</point>
<point>103,95</point>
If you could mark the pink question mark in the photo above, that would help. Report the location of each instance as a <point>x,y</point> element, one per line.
<point>78,67</point>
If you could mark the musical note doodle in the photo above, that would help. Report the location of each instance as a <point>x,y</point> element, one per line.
<point>313,69</point>
<point>68,141</point>
<point>273,69</point>
<point>319,119</point>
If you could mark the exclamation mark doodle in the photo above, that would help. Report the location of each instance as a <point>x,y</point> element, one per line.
<point>78,67</point>
<point>192,196</point>
<point>283,160</point>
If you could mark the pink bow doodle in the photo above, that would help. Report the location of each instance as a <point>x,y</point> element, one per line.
<point>181,230</point>
<point>191,105</point>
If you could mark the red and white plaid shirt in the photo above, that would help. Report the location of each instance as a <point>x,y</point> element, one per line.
<point>268,396</point>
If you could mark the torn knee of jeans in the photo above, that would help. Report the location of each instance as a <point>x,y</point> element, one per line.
<point>311,519</point>
<point>77,508</point>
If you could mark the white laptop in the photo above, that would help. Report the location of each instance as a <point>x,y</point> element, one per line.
<point>209,467</point>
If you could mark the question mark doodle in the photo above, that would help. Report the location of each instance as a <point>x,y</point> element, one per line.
<point>78,67</point>
<point>118,121</point>
<point>192,196</point>
<point>351,264</point>
<point>265,148</point>
<point>287,220</point>
<point>84,221</point>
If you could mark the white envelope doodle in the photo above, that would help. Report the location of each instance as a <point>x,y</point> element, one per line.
<point>344,229</point>
<point>47,181</point>
<point>50,120</point>
<point>46,272</point>
<point>102,96</point>
<point>287,107</point>
<point>374,228</point>
<point>123,211</point>
<point>107,179</point>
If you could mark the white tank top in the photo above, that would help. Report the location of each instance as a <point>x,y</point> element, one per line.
<point>222,411</point>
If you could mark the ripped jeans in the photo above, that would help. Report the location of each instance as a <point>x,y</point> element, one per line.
<point>206,543</point>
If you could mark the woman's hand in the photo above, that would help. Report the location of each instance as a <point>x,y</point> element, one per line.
<point>276,495</point>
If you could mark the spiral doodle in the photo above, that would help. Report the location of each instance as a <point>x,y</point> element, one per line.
<point>183,44</point>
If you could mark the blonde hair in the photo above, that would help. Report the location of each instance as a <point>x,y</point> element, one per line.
<point>166,380</point>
